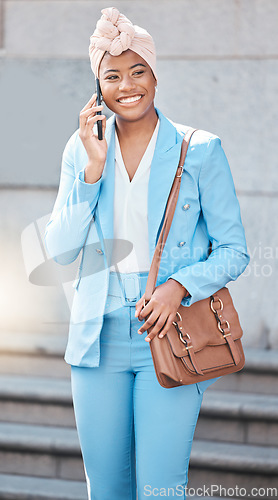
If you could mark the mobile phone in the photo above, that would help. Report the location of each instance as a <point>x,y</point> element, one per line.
<point>99,122</point>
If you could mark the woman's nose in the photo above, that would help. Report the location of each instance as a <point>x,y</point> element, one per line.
<point>126,84</point>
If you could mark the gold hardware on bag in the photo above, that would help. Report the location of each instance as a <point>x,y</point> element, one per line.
<point>219,317</point>
<point>181,171</point>
<point>220,328</point>
<point>180,319</point>
<point>179,316</point>
<point>184,341</point>
<point>218,300</point>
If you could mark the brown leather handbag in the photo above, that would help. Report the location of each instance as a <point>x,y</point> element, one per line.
<point>205,340</point>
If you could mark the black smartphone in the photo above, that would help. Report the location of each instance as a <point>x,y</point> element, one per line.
<point>99,122</point>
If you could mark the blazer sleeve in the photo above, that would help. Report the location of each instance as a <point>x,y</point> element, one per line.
<point>67,228</point>
<point>229,257</point>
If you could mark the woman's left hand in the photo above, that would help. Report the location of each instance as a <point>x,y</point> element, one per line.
<point>161,308</point>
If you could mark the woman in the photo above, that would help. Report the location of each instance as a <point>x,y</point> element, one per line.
<point>135,435</point>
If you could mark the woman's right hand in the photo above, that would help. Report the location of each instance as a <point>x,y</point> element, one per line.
<point>96,149</point>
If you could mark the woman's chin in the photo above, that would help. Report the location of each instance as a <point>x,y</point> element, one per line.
<point>131,113</point>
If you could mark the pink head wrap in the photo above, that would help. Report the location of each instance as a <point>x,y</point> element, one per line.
<point>115,33</point>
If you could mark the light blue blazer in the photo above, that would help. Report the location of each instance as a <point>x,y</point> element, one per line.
<point>207,210</point>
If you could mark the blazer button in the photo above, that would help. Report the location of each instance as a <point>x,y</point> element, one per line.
<point>181,243</point>
<point>98,250</point>
<point>186,207</point>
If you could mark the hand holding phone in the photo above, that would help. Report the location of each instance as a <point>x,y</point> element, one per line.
<point>96,149</point>
<point>99,122</point>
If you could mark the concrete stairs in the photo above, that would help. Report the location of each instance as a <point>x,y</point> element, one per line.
<point>235,444</point>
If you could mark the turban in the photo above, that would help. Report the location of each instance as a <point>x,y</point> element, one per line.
<point>115,33</point>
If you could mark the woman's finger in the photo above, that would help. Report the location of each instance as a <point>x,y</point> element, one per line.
<point>94,109</point>
<point>89,108</point>
<point>145,310</point>
<point>139,306</point>
<point>90,102</point>
<point>149,322</point>
<point>83,116</point>
<point>90,124</point>
<point>167,326</point>
<point>159,326</point>
<point>94,119</point>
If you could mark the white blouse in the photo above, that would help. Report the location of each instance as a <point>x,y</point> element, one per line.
<point>131,211</point>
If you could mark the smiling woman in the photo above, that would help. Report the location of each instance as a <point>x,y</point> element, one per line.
<point>133,432</point>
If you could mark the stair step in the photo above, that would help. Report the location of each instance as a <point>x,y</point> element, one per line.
<point>240,405</point>
<point>34,365</point>
<point>235,457</point>
<point>239,417</point>
<point>38,450</point>
<point>15,487</point>
<point>231,467</point>
<point>42,354</point>
<point>261,360</point>
<point>52,344</point>
<point>46,344</point>
<point>55,452</point>
<point>38,438</point>
<point>33,354</point>
<point>245,381</point>
<point>259,375</point>
<point>34,389</point>
<point>225,415</point>
<point>36,400</point>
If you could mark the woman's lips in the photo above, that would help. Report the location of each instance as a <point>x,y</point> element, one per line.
<point>130,100</point>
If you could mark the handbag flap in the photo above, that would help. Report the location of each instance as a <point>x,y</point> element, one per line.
<point>200,323</point>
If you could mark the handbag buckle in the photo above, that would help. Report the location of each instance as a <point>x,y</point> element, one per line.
<point>184,341</point>
<point>179,319</point>
<point>220,328</point>
<point>180,166</point>
<point>217,300</point>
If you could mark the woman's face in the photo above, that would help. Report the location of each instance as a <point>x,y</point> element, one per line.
<point>127,85</point>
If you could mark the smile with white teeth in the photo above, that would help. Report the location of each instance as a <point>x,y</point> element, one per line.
<point>130,99</point>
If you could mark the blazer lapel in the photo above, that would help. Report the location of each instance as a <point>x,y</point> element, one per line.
<point>163,168</point>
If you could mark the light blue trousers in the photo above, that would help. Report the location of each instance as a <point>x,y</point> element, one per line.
<point>135,436</point>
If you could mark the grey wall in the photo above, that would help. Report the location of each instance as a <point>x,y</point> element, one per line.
<point>218,70</point>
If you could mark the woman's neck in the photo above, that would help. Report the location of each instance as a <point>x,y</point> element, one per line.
<point>136,130</point>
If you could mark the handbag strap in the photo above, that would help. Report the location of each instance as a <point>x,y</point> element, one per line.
<point>169,214</point>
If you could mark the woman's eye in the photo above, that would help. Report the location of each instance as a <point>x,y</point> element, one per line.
<point>114,77</point>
